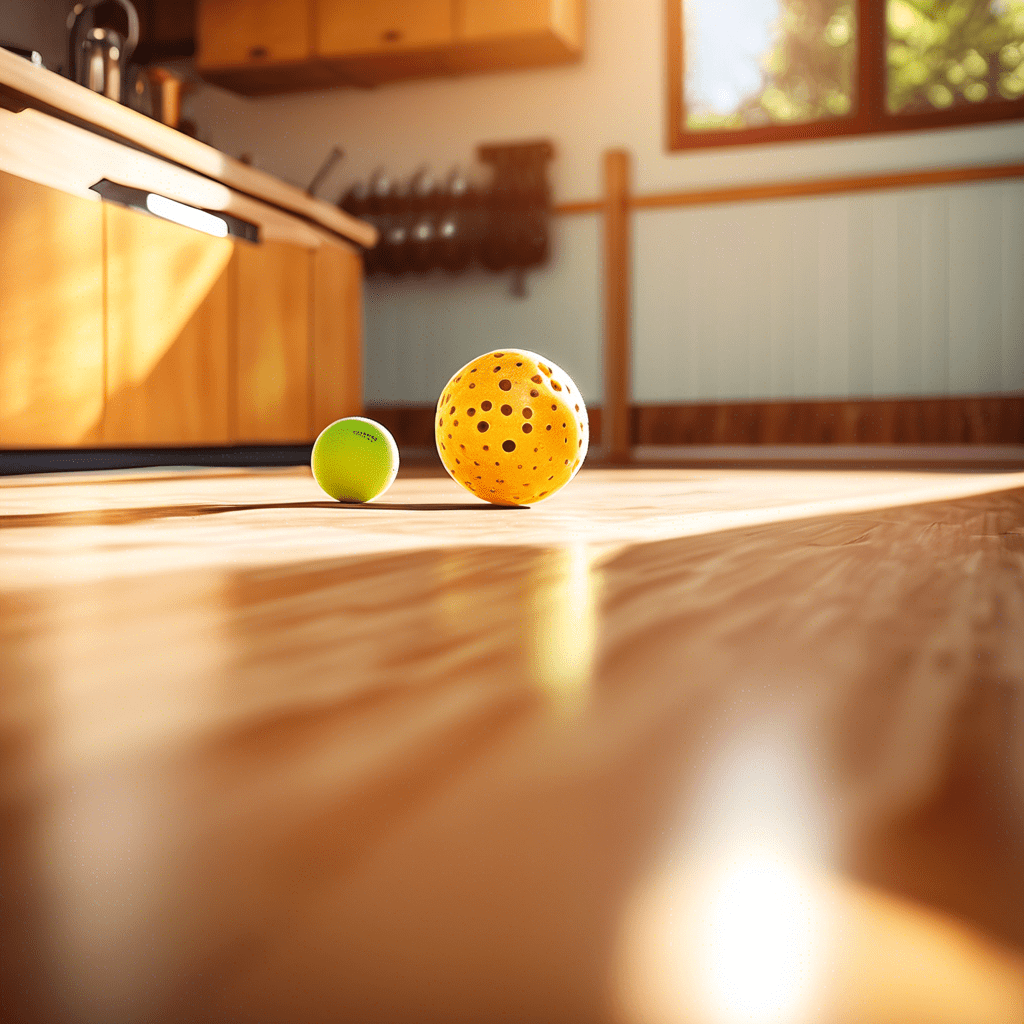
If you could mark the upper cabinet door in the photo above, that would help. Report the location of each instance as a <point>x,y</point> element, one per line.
<point>489,19</point>
<point>349,27</point>
<point>233,33</point>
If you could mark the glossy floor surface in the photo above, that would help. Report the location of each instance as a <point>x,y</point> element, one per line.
<point>674,746</point>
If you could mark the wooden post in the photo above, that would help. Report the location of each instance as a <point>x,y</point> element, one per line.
<point>615,429</point>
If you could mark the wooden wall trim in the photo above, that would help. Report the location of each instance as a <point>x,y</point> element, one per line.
<point>805,188</point>
<point>968,419</point>
<point>617,312</point>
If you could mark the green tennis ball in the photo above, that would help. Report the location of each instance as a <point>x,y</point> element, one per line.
<point>354,459</point>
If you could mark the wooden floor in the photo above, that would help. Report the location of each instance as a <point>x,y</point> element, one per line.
<point>681,746</point>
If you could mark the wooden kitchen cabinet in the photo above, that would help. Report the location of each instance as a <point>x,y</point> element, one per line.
<point>168,333</point>
<point>51,317</point>
<point>355,42</point>
<point>121,330</point>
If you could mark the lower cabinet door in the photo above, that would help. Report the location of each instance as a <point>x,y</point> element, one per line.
<point>168,333</point>
<point>337,369</point>
<point>272,323</point>
<point>51,317</point>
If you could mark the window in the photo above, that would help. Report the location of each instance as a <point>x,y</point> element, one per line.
<point>743,71</point>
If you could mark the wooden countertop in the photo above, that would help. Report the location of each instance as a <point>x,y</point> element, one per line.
<point>35,87</point>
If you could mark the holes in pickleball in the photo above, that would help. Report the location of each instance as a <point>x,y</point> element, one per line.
<point>509,446</point>
<point>471,412</point>
<point>496,369</point>
<point>506,410</point>
<point>556,385</point>
<point>505,385</point>
<point>545,369</point>
<point>534,393</point>
<point>527,428</point>
<point>549,426</point>
<point>451,411</point>
<point>472,385</point>
<point>537,378</point>
<point>486,406</point>
<point>527,412</point>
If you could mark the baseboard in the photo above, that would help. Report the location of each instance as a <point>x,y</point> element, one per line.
<point>968,420</point>
<point>960,420</point>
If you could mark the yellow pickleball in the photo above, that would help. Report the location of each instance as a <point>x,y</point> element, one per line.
<point>511,427</point>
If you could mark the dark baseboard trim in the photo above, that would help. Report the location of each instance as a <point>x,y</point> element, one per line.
<point>979,420</point>
<point>970,419</point>
<point>76,460</point>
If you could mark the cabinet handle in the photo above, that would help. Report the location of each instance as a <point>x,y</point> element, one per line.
<point>392,35</point>
<point>258,52</point>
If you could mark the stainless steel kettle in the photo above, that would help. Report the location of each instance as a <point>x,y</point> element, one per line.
<point>98,56</point>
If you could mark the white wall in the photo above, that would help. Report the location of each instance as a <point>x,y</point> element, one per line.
<point>420,330</point>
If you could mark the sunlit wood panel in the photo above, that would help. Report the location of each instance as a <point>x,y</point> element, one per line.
<point>51,316</point>
<point>337,335</point>
<point>168,332</point>
<point>272,321</point>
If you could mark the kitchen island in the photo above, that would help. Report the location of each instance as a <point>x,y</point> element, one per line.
<point>155,291</point>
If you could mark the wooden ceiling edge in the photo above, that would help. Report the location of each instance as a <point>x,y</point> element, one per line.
<point>140,131</point>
